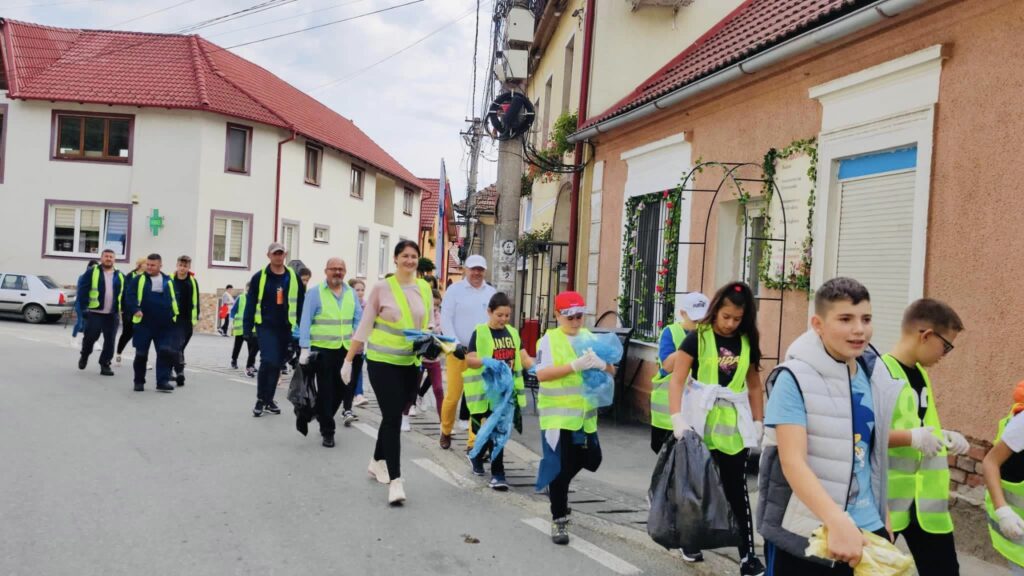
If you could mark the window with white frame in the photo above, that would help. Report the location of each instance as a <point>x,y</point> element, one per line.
<point>407,202</point>
<point>362,251</point>
<point>230,242</point>
<point>321,233</point>
<point>85,230</point>
<point>382,255</point>
<point>290,239</point>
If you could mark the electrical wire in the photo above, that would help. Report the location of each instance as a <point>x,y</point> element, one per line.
<point>153,13</point>
<point>476,49</point>
<point>293,17</point>
<point>254,9</point>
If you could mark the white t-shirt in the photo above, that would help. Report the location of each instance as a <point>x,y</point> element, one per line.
<point>544,357</point>
<point>1013,434</point>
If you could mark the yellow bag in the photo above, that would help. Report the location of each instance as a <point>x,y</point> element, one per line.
<point>880,557</point>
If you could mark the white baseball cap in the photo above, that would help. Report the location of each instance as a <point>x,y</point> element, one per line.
<point>476,261</point>
<point>695,305</point>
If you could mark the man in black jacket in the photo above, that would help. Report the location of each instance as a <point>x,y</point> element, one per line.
<point>154,309</point>
<point>187,290</point>
<point>102,286</point>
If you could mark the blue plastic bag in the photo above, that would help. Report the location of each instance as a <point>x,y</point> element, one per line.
<point>499,387</point>
<point>598,385</point>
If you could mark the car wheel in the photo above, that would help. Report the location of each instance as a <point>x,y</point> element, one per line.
<point>34,314</point>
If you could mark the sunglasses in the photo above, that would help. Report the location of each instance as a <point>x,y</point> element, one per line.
<point>573,317</point>
<point>947,346</point>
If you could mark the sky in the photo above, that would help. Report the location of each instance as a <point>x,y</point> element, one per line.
<point>414,104</point>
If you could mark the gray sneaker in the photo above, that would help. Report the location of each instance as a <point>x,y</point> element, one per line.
<point>560,531</point>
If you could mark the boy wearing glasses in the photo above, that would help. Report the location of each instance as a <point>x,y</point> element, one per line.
<point>918,446</point>
<point>568,421</point>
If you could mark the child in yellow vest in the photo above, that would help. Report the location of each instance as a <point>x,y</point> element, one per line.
<point>1004,478</point>
<point>693,306</point>
<point>918,446</point>
<point>568,421</point>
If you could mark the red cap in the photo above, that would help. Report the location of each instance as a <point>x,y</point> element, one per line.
<point>569,299</point>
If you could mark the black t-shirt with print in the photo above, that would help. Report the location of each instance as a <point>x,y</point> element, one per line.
<point>504,346</point>
<point>729,348</point>
<point>917,383</point>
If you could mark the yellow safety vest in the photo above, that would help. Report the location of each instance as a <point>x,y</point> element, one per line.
<point>195,298</point>
<point>721,431</point>
<point>660,416</point>
<point>1014,493</point>
<point>237,324</point>
<point>169,283</point>
<point>293,296</point>
<point>914,479</point>
<point>332,325</point>
<point>94,289</point>
<point>473,378</point>
<point>560,402</point>
<point>387,342</point>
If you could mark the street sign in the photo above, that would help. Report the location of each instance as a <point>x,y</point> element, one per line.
<point>508,247</point>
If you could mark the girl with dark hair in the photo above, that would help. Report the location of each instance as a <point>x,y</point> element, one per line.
<point>401,302</point>
<point>718,365</point>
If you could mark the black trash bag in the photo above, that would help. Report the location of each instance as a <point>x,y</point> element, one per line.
<point>302,393</point>
<point>427,347</point>
<point>688,505</point>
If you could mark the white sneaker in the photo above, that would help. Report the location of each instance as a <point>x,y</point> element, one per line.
<point>412,411</point>
<point>421,402</point>
<point>378,470</point>
<point>359,400</point>
<point>396,492</point>
<point>406,426</point>
<point>463,425</point>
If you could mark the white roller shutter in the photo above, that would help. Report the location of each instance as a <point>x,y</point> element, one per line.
<point>875,228</point>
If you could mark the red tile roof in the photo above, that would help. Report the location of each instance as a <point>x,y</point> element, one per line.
<point>172,71</point>
<point>429,202</point>
<point>486,200</point>
<point>754,26</point>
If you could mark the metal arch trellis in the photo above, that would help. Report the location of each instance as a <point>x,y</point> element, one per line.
<point>730,170</point>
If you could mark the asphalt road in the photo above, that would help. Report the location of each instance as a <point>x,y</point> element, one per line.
<point>98,479</point>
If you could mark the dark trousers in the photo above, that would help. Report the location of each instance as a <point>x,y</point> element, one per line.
<point>253,346</point>
<point>127,329</point>
<point>497,462</point>
<point>393,386</point>
<point>573,459</point>
<point>779,563</point>
<point>96,324</point>
<point>658,438</point>
<point>934,554</point>
<point>162,339</point>
<point>331,391</point>
<point>224,324</point>
<point>733,472</point>
<point>348,392</point>
<point>183,334</point>
<point>273,344</point>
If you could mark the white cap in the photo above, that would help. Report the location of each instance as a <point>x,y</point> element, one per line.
<point>695,305</point>
<point>476,261</point>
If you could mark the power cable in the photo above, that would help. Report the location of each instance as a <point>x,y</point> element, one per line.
<point>153,13</point>
<point>476,49</point>
<point>293,17</point>
<point>254,9</point>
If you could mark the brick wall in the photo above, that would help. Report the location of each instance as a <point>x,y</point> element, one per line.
<point>965,474</point>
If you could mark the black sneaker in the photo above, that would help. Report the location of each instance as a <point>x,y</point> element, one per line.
<point>498,483</point>
<point>328,440</point>
<point>751,567</point>
<point>257,410</point>
<point>164,387</point>
<point>139,387</point>
<point>250,372</point>
<point>272,407</point>
<point>180,379</point>
<point>697,556</point>
<point>477,465</point>
<point>105,370</point>
<point>83,361</point>
<point>234,364</point>
<point>560,531</point>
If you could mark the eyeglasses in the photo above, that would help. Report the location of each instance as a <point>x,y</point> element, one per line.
<point>574,317</point>
<point>947,346</point>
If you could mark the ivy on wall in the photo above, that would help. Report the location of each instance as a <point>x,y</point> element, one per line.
<point>798,277</point>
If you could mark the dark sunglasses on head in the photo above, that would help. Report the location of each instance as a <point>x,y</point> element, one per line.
<point>947,346</point>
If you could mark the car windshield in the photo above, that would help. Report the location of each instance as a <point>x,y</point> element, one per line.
<point>48,282</point>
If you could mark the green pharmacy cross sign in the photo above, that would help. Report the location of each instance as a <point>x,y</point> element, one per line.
<point>156,222</point>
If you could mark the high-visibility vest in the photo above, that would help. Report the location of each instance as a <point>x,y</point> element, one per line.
<point>169,284</point>
<point>387,342</point>
<point>293,296</point>
<point>1014,493</point>
<point>473,378</point>
<point>660,416</point>
<point>94,289</point>
<point>195,299</point>
<point>561,402</point>
<point>913,478</point>
<point>721,431</point>
<point>332,325</point>
<point>237,326</point>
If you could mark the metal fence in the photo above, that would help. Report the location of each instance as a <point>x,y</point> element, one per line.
<point>543,279</point>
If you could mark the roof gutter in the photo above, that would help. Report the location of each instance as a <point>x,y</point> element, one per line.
<point>847,25</point>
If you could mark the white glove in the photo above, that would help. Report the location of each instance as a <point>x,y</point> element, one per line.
<point>1010,524</point>
<point>597,363</point>
<point>346,371</point>
<point>304,356</point>
<point>679,425</point>
<point>759,431</point>
<point>587,361</point>
<point>924,439</point>
<point>955,442</point>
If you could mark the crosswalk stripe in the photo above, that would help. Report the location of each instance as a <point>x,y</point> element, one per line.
<point>595,553</point>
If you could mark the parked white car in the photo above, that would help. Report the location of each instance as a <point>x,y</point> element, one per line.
<point>36,298</point>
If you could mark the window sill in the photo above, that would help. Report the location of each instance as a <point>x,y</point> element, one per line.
<point>357,197</point>
<point>73,256</point>
<point>117,161</point>
<point>230,265</point>
<point>313,184</point>
<point>238,172</point>
<point>315,241</point>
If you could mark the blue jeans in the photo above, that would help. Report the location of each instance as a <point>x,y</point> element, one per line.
<point>95,325</point>
<point>162,338</point>
<point>273,354</point>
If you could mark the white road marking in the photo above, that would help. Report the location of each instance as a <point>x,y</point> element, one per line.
<point>240,381</point>
<point>368,430</point>
<point>595,553</point>
<point>436,469</point>
<point>29,339</point>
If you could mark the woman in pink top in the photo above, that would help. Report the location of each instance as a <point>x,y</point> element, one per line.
<point>394,374</point>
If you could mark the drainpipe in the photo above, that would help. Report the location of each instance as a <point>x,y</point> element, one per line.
<point>577,157</point>
<point>277,183</point>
